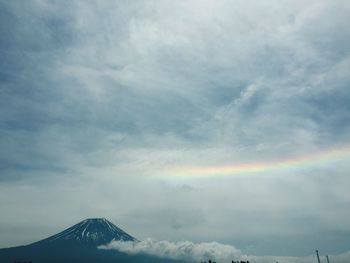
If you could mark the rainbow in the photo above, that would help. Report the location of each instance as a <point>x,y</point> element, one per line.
<point>311,160</point>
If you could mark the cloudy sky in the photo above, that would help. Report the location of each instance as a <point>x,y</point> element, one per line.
<point>168,118</point>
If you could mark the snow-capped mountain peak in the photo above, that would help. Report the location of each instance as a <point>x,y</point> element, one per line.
<point>91,232</point>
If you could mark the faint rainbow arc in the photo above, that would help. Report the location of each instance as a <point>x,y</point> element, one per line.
<point>314,159</point>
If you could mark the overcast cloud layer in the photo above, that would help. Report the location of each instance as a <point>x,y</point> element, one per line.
<point>100,100</point>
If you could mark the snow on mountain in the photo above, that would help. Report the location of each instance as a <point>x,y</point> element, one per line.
<point>90,232</point>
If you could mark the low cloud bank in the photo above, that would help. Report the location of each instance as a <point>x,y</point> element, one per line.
<point>197,252</point>
<point>183,250</point>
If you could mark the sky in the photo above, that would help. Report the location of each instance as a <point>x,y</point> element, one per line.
<point>199,120</point>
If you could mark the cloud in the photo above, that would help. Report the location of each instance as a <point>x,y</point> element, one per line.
<point>200,252</point>
<point>221,76</point>
<point>182,250</point>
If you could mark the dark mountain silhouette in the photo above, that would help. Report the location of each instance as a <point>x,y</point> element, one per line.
<point>90,232</point>
<point>78,244</point>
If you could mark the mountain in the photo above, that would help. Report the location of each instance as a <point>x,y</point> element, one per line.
<point>91,232</point>
<point>78,244</point>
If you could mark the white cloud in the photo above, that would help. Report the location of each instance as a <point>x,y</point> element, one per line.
<point>198,252</point>
<point>182,250</point>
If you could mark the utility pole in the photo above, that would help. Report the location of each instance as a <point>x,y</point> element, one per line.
<point>318,256</point>
<point>327,259</point>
